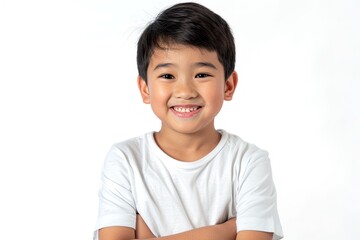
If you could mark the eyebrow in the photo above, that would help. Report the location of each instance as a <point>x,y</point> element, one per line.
<point>161,65</point>
<point>197,64</point>
<point>205,64</point>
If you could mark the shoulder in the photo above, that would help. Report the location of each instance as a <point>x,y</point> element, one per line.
<point>245,154</point>
<point>127,152</point>
<point>131,146</point>
<point>246,149</point>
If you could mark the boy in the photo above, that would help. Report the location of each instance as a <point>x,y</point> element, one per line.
<point>188,180</point>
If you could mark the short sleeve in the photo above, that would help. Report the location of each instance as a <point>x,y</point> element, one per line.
<point>116,202</point>
<point>256,204</point>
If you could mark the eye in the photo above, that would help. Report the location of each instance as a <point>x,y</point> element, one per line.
<point>202,75</point>
<point>167,76</point>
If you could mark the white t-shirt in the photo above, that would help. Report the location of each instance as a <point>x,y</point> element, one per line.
<point>233,180</point>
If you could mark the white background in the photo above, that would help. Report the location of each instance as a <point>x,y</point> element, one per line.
<point>68,91</point>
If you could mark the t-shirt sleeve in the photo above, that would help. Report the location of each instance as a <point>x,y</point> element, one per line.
<point>256,204</point>
<point>116,202</point>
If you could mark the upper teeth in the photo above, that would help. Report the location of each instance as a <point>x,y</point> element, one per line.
<point>183,109</point>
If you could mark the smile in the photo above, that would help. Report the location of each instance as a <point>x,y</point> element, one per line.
<point>185,109</point>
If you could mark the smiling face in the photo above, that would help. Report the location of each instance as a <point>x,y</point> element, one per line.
<point>186,88</point>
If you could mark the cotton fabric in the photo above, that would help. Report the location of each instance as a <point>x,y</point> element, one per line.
<point>233,180</point>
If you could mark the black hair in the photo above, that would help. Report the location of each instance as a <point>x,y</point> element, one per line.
<point>189,24</point>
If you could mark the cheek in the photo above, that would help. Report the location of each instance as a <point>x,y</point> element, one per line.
<point>215,96</point>
<point>214,93</point>
<point>158,94</point>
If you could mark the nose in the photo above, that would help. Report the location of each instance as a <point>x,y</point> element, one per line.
<point>185,89</point>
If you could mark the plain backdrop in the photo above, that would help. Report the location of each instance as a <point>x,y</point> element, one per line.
<point>68,92</point>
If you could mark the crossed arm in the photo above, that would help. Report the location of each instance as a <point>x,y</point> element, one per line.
<point>224,231</point>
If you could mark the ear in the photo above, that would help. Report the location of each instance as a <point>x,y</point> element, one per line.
<point>144,90</point>
<point>230,86</point>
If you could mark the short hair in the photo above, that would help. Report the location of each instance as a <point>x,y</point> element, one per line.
<point>189,24</point>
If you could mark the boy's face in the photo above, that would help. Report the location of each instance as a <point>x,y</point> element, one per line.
<point>186,87</point>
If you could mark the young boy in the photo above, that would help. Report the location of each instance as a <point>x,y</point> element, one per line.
<point>188,180</point>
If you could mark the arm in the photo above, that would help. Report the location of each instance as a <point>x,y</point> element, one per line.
<point>143,232</point>
<point>116,233</point>
<point>254,235</point>
<point>224,231</point>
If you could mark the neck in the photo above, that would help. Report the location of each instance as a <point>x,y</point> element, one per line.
<point>187,146</point>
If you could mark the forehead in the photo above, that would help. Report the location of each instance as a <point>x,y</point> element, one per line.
<point>181,52</point>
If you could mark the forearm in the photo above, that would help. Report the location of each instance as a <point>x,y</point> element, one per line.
<point>224,231</point>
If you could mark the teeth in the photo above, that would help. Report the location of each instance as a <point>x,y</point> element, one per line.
<point>185,110</point>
